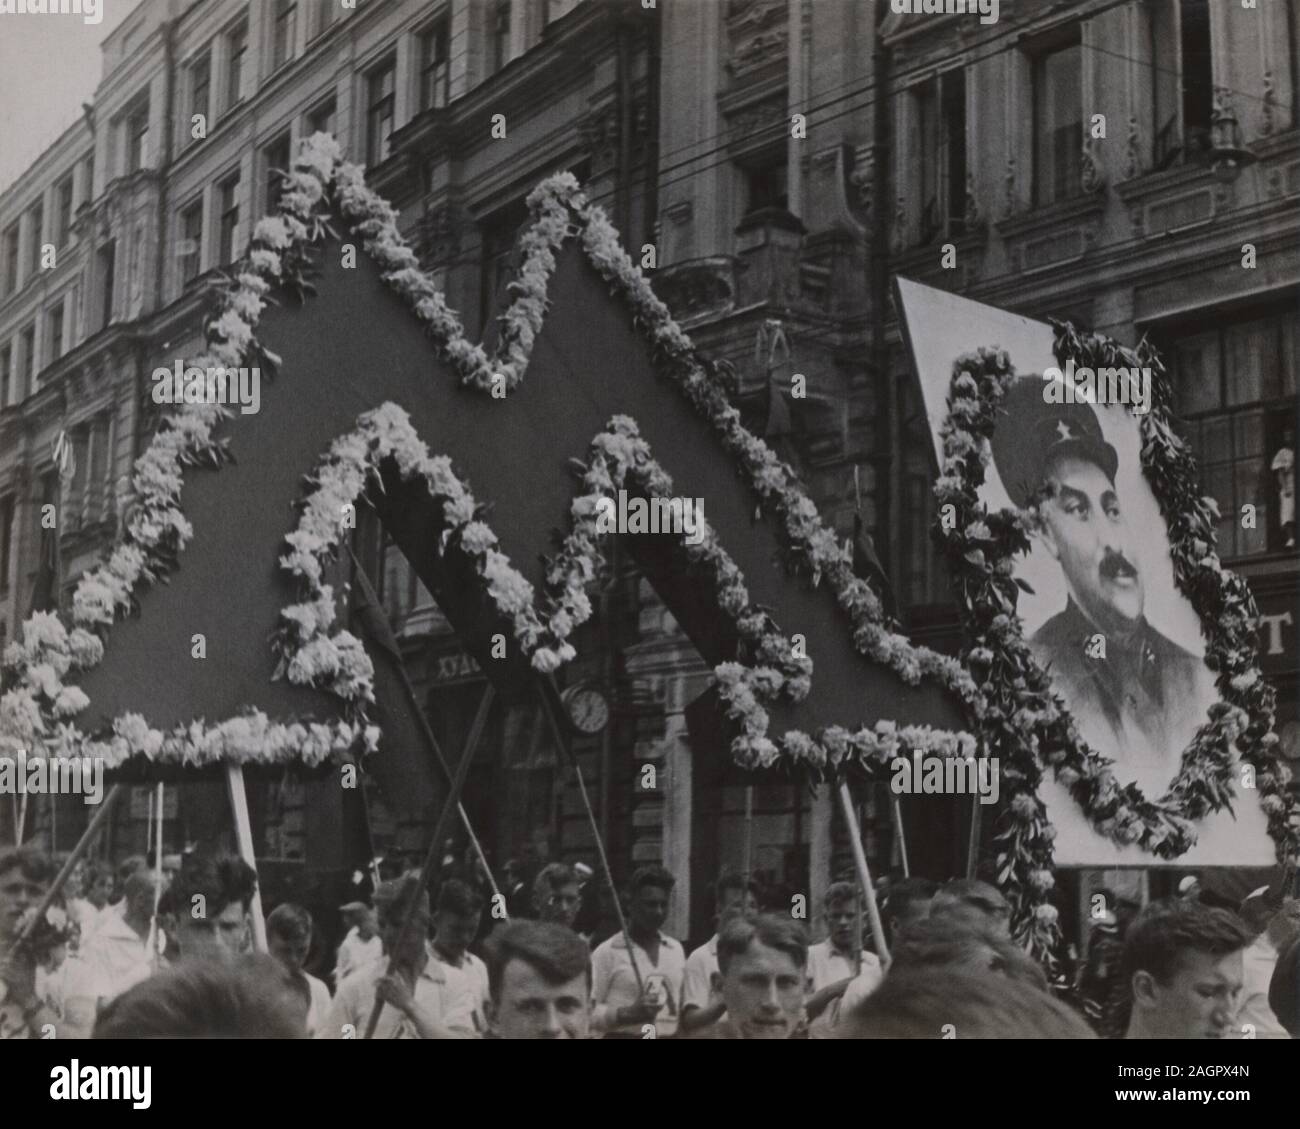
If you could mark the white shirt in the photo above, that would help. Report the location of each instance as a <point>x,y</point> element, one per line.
<point>613,983</point>
<point>827,966</point>
<point>441,991</point>
<point>860,987</point>
<point>354,953</point>
<point>319,1008</point>
<point>1257,964</point>
<point>701,967</point>
<point>476,973</point>
<point>113,960</point>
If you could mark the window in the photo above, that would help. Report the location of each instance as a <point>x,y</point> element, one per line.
<point>190,249</point>
<point>327,12</point>
<point>1058,122</point>
<point>27,347</point>
<point>90,177</point>
<point>137,137</point>
<point>200,89</point>
<point>6,373</point>
<point>499,231</point>
<point>56,332</point>
<point>1182,79</point>
<point>435,74</point>
<point>1237,394</point>
<point>107,280</point>
<point>228,196</point>
<point>275,160</point>
<point>941,111</point>
<point>766,184</point>
<point>36,224</point>
<point>11,253</point>
<point>62,211</point>
<point>236,46</point>
<point>7,506</point>
<point>500,35</point>
<point>284,32</point>
<point>379,111</point>
<point>323,119</point>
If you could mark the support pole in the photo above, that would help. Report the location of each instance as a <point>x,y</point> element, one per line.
<point>244,836</point>
<point>902,835</point>
<point>413,703</point>
<point>973,849</point>
<point>550,705</point>
<point>864,875</point>
<point>83,844</point>
<point>435,843</point>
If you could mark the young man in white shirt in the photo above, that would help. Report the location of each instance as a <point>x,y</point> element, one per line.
<point>1183,968</point>
<point>620,1010</point>
<point>455,925</point>
<point>540,980</point>
<point>737,896</point>
<point>361,945</point>
<point>288,940</point>
<point>115,958</point>
<point>763,963</point>
<point>422,998</point>
<point>1278,927</point>
<point>836,961</point>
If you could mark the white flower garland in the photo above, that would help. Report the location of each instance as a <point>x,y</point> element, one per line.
<point>156,530</point>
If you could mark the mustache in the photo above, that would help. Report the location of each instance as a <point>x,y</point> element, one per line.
<point>1115,565</point>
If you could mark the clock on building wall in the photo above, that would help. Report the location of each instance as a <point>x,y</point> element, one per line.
<point>587,707</point>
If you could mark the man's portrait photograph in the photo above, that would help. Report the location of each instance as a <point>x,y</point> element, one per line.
<point>1122,646</point>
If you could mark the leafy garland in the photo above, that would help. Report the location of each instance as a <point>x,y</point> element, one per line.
<point>36,709</point>
<point>1024,723</point>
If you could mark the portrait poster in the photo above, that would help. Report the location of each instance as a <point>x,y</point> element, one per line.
<point>1141,704</point>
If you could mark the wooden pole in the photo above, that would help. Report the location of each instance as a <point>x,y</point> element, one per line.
<point>244,836</point>
<point>435,843</point>
<point>864,875</point>
<point>154,953</point>
<point>902,836</point>
<point>413,703</point>
<point>550,706</point>
<point>83,844</point>
<point>973,849</point>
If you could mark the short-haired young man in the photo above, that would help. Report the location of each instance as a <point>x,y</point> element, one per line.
<point>956,1002</point>
<point>288,940</point>
<point>1183,967</point>
<point>833,964</point>
<point>25,876</point>
<point>620,1011</point>
<point>361,944</point>
<point>763,963</point>
<point>970,901</point>
<point>422,998</point>
<point>207,907</point>
<point>456,923</point>
<point>557,894</point>
<point>539,977</point>
<point>250,998</point>
<point>736,896</point>
<point>115,957</point>
<point>906,904</point>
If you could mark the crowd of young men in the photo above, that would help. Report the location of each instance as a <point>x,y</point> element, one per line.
<point>406,969</point>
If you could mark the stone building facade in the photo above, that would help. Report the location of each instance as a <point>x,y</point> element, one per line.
<point>775,238</point>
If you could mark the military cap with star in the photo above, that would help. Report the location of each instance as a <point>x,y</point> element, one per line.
<point>1030,433</point>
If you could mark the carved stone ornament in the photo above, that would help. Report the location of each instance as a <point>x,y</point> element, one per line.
<point>1134,140</point>
<point>1091,174</point>
<point>692,289</point>
<point>971,216</point>
<point>1009,185</point>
